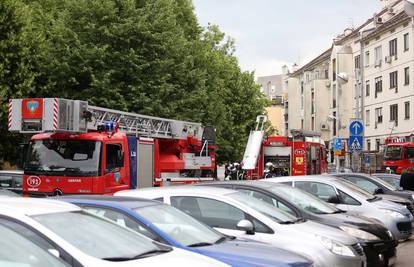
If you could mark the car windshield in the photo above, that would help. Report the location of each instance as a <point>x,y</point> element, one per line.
<point>180,226</point>
<point>270,211</point>
<point>392,152</point>
<point>304,200</point>
<point>98,237</point>
<point>17,250</point>
<point>357,190</point>
<point>63,157</point>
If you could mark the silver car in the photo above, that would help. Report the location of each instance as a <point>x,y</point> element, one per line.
<point>349,197</point>
<point>237,214</point>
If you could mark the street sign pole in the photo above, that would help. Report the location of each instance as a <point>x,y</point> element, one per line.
<point>356,141</point>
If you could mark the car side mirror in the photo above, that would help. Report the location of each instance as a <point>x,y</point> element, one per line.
<point>246,225</point>
<point>378,191</point>
<point>22,153</point>
<point>54,252</point>
<point>334,200</point>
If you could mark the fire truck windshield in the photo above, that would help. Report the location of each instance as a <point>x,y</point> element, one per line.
<point>63,157</point>
<point>392,152</point>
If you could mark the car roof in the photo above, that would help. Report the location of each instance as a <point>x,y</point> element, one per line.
<point>11,172</point>
<point>324,177</point>
<point>129,202</point>
<point>35,206</point>
<point>259,184</point>
<point>182,189</point>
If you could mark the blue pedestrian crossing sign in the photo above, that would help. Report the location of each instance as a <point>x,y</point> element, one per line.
<point>355,143</point>
<point>337,144</point>
<point>356,127</point>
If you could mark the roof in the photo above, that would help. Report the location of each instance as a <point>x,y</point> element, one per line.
<point>130,202</point>
<point>260,184</point>
<point>300,178</point>
<point>182,189</point>
<point>322,57</point>
<point>34,206</point>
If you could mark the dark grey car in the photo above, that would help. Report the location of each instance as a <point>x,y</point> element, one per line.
<point>11,180</point>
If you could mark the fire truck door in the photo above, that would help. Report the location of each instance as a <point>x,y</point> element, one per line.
<point>115,171</point>
<point>145,164</point>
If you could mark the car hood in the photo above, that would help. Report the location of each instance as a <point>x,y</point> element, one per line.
<point>358,221</point>
<point>251,253</point>
<point>396,199</point>
<point>315,228</point>
<point>385,204</point>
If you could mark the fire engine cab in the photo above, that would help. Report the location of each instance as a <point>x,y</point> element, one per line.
<point>302,153</point>
<point>81,149</point>
<point>398,153</point>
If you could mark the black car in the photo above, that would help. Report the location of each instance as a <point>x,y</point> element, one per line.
<point>377,186</point>
<point>12,181</point>
<point>378,243</point>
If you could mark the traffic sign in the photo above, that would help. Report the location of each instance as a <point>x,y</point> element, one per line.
<point>355,142</point>
<point>356,127</point>
<point>337,144</point>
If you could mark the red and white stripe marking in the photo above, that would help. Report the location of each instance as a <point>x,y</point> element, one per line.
<point>55,113</point>
<point>10,113</point>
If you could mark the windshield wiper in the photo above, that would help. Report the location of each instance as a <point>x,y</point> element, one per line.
<point>293,221</point>
<point>373,199</point>
<point>220,240</point>
<point>338,211</point>
<point>139,256</point>
<point>200,244</point>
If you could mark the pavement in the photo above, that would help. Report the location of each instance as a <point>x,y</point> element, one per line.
<point>405,254</point>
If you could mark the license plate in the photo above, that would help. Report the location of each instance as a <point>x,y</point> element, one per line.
<point>391,261</point>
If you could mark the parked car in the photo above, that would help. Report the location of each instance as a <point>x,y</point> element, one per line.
<point>349,197</point>
<point>377,241</point>
<point>171,226</point>
<point>19,249</point>
<point>7,193</point>
<point>11,180</point>
<point>390,178</point>
<point>237,214</point>
<point>83,239</point>
<point>378,187</point>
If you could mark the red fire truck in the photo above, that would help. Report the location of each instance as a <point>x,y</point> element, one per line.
<point>303,153</point>
<point>398,153</point>
<point>81,149</point>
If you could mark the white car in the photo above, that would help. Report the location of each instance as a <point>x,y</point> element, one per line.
<point>78,238</point>
<point>237,214</point>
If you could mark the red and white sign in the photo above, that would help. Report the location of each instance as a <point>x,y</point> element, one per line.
<point>33,181</point>
<point>300,152</point>
<point>32,108</point>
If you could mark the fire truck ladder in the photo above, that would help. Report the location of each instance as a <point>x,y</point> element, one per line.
<point>143,125</point>
<point>252,152</point>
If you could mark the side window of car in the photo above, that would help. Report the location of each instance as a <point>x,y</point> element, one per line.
<point>347,199</point>
<point>6,181</point>
<point>122,220</point>
<point>272,201</point>
<point>363,183</point>
<point>114,157</point>
<point>322,191</point>
<point>38,240</point>
<point>210,211</point>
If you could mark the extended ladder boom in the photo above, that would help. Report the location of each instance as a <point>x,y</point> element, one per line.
<point>36,115</point>
<point>252,152</point>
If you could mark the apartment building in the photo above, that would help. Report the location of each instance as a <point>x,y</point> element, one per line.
<point>369,76</point>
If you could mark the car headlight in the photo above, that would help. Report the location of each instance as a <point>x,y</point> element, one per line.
<point>336,248</point>
<point>412,196</point>
<point>360,234</point>
<point>394,214</point>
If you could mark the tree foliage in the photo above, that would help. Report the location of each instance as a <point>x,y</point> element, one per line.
<point>145,56</point>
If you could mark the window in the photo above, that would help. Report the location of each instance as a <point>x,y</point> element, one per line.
<point>406,42</point>
<point>366,59</point>
<point>394,114</point>
<point>407,76</point>
<point>114,158</point>
<point>367,88</point>
<point>212,212</point>
<point>393,47</point>
<point>378,116</point>
<point>347,199</point>
<point>394,80</point>
<point>363,183</point>
<point>313,123</point>
<point>367,117</point>
<point>334,69</point>
<point>322,191</point>
<point>407,110</point>
<point>313,101</point>
<point>378,144</point>
<point>357,62</point>
<point>368,145</point>
<point>378,55</point>
<point>378,86</point>
<point>334,123</point>
<point>409,152</point>
<point>122,220</point>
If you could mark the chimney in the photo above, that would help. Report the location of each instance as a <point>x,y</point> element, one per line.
<point>285,70</point>
<point>295,67</point>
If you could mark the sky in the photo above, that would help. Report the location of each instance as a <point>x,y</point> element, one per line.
<point>272,33</point>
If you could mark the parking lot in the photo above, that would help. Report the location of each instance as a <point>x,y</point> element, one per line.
<point>405,254</point>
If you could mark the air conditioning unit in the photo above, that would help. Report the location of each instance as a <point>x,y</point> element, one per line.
<point>391,11</point>
<point>378,63</point>
<point>388,59</point>
<point>395,57</point>
<point>324,126</point>
<point>328,84</point>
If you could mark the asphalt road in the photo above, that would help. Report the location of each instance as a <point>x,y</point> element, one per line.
<point>405,254</point>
